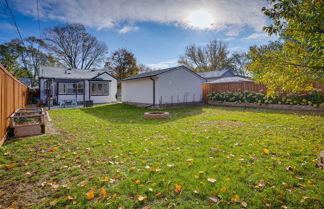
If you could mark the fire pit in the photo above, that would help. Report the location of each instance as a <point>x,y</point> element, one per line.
<point>156,115</point>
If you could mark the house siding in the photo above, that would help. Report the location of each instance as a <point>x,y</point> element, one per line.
<point>176,86</point>
<point>137,91</point>
<point>179,86</point>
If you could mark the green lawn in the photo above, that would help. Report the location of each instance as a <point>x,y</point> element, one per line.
<point>109,157</point>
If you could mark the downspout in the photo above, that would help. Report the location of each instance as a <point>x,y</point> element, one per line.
<point>152,105</point>
<point>153,90</point>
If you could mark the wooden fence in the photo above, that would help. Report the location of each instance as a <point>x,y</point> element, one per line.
<point>13,95</point>
<point>238,87</point>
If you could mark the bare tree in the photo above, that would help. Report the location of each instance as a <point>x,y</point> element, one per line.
<point>213,56</point>
<point>240,61</point>
<point>74,47</point>
<point>144,68</point>
<point>122,64</point>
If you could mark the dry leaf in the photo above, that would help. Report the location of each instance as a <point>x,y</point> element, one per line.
<point>103,192</point>
<point>10,165</point>
<point>170,165</point>
<point>137,181</point>
<point>244,204</point>
<point>53,149</point>
<point>211,180</point>
<point>153,170</point>
<point>261,183</point>
<point>235,199</point>
<point>223,189</point>
<point>266,151</point>
<point>140,197</point>
<point>214,199</point>
<point>177,188</point>
<point>196,191</point>
<point>114,196</point>
<point>132,169</point>
<point>90,194</point>
<point>158,194</point>
<point>104,178</point>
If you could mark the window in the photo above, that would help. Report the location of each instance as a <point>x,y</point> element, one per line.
<point>71,88</point>
<point>99,88</point>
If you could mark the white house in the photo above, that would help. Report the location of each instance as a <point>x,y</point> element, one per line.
<point>64,84</point>
<point>167,86</point>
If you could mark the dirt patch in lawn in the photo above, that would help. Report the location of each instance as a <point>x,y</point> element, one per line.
<point>22,195</point>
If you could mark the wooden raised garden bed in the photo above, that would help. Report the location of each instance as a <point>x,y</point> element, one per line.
<point>28,122</point>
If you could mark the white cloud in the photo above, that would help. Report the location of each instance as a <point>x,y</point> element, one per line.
<point>227,15</point>
<point>7,26</point>
<point>127,29</point>
<point>256,36</point>
<point>164,64</point>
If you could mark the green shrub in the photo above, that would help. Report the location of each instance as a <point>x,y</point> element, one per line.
<point>314,98</point>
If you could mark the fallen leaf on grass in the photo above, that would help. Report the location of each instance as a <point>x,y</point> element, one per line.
<point>266,151</point>
<point>211,180</point>
<point>177,188</point>
<point>153,170</point>
<point>140,197</point>
<point>196,191</point>
<point>170,165</point>
<point>235,199</point>
<point>103,192</point>
<point>137,182</point>
<point>214,199</point>
<point>244,204</point>
<point>114,196</point>
<point>132,169</point>
<point>53,149</point>
<point>104,178</point>
<point>223,189</point>
<point>261,183</point>
<point>90,194</point>
<point>158,194</point>
<point>11,165</point>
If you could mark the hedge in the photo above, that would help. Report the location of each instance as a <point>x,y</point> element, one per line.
<point>314,98</point>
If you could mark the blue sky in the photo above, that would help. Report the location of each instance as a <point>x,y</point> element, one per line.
<point>155,31</point>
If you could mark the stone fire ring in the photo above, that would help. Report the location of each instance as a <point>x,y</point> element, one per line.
<point>156,115</point>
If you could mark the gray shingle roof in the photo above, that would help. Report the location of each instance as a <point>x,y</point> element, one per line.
<point>230,80</point>
<point>56,72</point>
<point>213,74</point>
<point>26,81</point>
<point>154,73</point>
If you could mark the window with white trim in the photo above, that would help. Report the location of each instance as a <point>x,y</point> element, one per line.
<point>71,88</point>
<point>99,88</point>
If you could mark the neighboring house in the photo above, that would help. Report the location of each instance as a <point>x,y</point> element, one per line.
<point>26,81</point>
<point>216,74</point>
<point>234,79</point>
<point>82,85</point>
<point>171,85</point>
<point>223,76</point>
